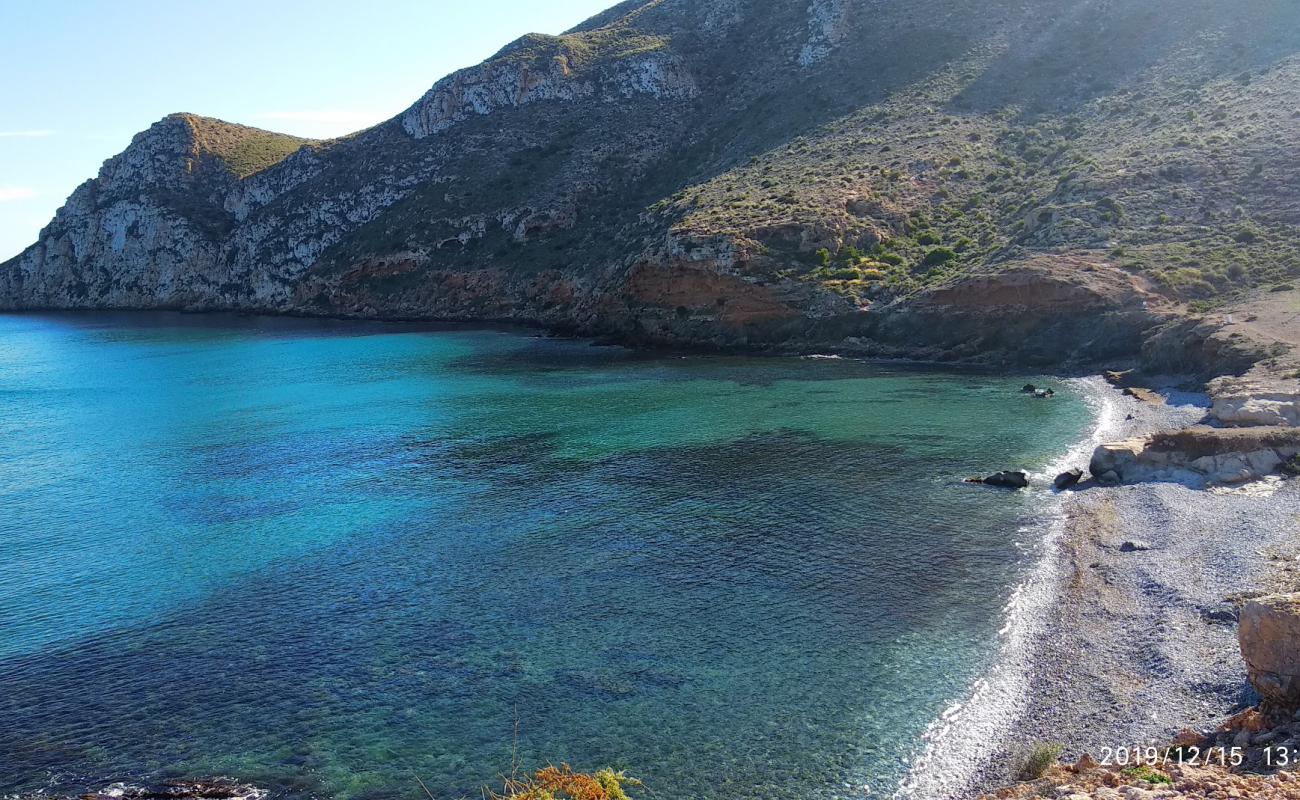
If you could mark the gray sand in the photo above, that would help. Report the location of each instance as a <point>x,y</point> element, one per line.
<point>1143,644</point>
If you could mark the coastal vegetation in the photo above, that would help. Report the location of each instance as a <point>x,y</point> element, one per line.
<point>563,783</point>
<point>1146,773</point>
<point>1034,763</point>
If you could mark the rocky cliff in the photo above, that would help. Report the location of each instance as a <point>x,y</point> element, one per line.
<point>1042,180</point>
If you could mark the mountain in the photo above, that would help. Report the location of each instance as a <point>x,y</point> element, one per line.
<point>1038,180</point>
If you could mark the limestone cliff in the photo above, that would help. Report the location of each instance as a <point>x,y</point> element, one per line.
<point>1041,181</point>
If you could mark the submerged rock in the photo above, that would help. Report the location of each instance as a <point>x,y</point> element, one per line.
<point>1269,635</point>
<point>1007,480</point>
<point>214,789</point>
<point>1029,388</point>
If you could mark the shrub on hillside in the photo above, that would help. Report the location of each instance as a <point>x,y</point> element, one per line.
<point>1247,234</point>
<point>938,255</point>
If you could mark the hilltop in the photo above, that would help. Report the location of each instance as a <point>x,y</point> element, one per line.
<point>1043,181</point>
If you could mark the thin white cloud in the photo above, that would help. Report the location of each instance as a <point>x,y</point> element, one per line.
<point>32,134</point>
<point>334,117</point>
<point>8,193</point>
<point>323,122</point>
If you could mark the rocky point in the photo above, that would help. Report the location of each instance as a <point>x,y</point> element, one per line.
<point>880,178</point>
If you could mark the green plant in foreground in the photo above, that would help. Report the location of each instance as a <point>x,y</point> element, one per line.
<point>562,783</point>
<point>1034,764</point>
<point>1292,467</point>
<point>1145,773</point>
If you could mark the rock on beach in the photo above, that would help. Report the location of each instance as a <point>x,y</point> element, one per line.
<point>1269,634</point>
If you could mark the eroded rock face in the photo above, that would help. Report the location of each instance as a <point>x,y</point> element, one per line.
<point>1269,634</point>
<point>1199,347</point>
<point>826,29</point>
<point>551,75</point>
<point>145,233</point>
<point>1199,455</point>
<point>1256,400</point>
<point>1045,309</point>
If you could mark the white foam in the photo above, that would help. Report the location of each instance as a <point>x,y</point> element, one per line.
<point>975,728</point>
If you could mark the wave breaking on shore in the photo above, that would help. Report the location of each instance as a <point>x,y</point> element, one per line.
<point>961,744</point>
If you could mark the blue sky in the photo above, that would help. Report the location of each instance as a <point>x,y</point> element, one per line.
<point>81,77</point>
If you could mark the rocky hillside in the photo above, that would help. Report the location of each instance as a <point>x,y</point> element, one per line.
<point>1032,179</point>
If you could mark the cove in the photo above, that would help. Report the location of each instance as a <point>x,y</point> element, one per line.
<point>327,557</point>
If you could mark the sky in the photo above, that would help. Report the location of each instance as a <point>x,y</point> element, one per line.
<point>81,77</point>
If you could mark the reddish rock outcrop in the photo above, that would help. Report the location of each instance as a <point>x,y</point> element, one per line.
<point>1045,309</point>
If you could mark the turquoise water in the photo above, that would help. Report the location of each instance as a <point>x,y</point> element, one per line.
<point>329,557</point>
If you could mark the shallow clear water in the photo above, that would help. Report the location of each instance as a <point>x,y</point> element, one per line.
<point>329,557</point>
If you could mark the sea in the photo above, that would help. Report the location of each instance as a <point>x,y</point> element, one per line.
<point>337,559</point>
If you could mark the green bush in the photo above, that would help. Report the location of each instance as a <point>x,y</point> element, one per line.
<point>1292,467</point>
<point>1145,773</point>
<point>1034,764</point>
<point>938,255</point>
<point>1247,234</point>
<point>1111,205</point>
<point>928,238</point>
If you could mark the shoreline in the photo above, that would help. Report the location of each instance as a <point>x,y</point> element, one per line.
<point>1138,645</point>
<point>962,748</point>
<point>993,362</point>
<point>1103,648</point>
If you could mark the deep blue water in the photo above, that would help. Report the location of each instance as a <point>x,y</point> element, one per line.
<point>328,557</point>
